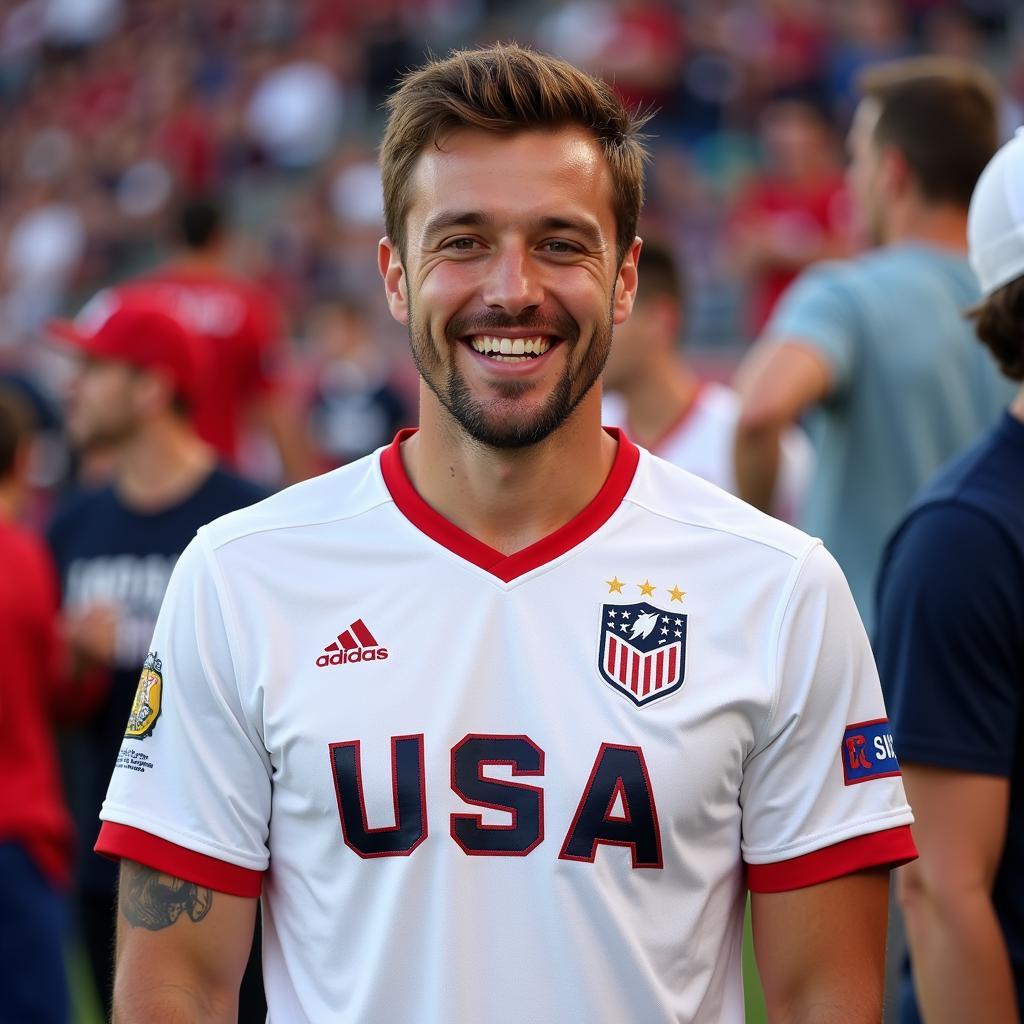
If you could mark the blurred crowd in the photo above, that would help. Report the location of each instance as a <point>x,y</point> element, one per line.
<point>221,156</point>
<point>114,112</point>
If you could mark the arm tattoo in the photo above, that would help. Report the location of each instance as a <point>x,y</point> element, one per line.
<point>153,900</point>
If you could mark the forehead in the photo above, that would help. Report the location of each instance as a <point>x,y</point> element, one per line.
<point>529,174</point>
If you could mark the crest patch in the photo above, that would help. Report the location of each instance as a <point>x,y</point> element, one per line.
<point>642,652</point>
<point>148,696</point>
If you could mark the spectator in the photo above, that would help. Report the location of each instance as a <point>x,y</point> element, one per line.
<point>793,214</point>
<point>240,325</point>
<point>666,407</point>
<point>875,350</point>
<point>355,405</point>
<point>115,546</point>
<point>951,655</point>
<point>35,831</point>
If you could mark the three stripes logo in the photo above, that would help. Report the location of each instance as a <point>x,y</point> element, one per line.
<point>356,643</point>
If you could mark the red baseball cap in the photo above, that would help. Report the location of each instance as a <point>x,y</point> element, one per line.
<point>133,329</point>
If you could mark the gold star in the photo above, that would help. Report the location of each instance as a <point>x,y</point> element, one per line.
<point>676,594</point>
<point>615,585</point>
<point>645,588</point>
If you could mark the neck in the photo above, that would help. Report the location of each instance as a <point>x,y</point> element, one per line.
<point>199,259</point>
<point>11,499</point>
<point>1017,406</point>
<point>658,398</point>
<point>161,465</point>
<point>508,499</point>
<point>944,227</point>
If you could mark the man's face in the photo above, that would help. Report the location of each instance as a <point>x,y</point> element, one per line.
<point>864,172</point>
<point>102,403</point>
<point>510,284</point>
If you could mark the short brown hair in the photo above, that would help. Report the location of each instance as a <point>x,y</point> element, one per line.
<point>942,114</point>
<point>16,425</point>
<point>999,321</point>
<point>507,89</point>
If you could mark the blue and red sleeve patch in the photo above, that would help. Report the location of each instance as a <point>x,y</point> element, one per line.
<point>867,752</point>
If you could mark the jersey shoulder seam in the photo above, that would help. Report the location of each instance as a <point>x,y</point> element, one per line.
<point>216,545</point>
<point>683,521</point>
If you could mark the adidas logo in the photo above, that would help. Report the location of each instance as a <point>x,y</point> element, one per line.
<point>356,643</point>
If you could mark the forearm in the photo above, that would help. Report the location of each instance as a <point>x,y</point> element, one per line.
<point>959,958</point>
<point>757,456</point>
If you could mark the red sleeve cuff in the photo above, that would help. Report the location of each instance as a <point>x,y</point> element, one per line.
<point>117,841</point>
<point>891,848</point>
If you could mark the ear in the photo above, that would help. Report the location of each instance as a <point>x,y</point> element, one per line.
<point>625,283</point>
<point>153,391</point>
<point>895,172</point>
<point>389,263</point>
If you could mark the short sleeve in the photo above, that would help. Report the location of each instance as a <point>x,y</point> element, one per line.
<point>821,794</point>
<point>951,640</point>
<point>819,311</point>
<point>190,792</point>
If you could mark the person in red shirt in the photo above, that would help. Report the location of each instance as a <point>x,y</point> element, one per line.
<point>792,214</point>
<point>241,325</point>
<point>35,828</point>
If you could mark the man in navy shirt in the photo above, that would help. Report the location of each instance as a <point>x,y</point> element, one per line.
<point>950,648</point>
<point>115,547</point>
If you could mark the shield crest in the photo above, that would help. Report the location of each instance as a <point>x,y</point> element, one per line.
<point>148,695</point>
<point>642,653</point>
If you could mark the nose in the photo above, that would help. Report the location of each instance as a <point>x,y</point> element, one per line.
<point>512,284</point>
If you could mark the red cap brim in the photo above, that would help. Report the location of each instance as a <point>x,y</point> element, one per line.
<point>67,331</point>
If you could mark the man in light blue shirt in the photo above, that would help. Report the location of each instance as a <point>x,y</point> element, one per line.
<point>875,351</point>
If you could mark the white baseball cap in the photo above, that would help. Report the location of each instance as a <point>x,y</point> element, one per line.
<point>995,221</point>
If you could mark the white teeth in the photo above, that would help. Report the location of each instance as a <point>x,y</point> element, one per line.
<point>510,347</point>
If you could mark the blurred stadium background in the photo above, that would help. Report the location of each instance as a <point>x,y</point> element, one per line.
<point>114,111</point>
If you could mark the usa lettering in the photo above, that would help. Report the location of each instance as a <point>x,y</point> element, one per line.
<point>615,808</point>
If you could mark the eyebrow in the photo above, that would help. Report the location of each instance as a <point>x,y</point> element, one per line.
<point>586,229</point>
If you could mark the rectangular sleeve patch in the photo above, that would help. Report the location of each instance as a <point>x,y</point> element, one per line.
<point>867,752</point>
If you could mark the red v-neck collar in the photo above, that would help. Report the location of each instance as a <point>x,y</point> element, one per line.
<point>508,567</point>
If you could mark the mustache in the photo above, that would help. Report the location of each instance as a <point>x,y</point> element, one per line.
<point>561,325</point>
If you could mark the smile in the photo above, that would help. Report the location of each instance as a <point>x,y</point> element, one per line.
<point>510,350</point>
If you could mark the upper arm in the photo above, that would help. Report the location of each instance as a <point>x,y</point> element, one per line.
<point>807,351</point>
<point>960,828</point>
<point>777,381</point>
<point>824,947</point>
<point>199,937</point>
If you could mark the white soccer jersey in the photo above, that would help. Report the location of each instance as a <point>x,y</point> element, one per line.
<point>508,788</point>
<point>703,442</point>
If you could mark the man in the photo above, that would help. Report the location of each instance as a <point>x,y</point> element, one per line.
<point>667,408</point>
<point>507,715</point>
<point>951,651</point>
<point>241,326</point>
<point>794,212</point>
<point>35,829</point>
<point>875,351</point>
<point>115,546</point>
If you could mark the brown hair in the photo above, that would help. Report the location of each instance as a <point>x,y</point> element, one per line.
<point>999,321</point>
<point>507,89</point>
<point>942,114</point>
<point>16,425</point>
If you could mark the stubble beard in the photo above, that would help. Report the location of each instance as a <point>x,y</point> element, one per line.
<point>498,423</point>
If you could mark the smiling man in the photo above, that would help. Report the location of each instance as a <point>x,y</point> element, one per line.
<point>504,720</point>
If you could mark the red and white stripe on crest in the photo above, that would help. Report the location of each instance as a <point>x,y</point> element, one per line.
<point>642,674</point>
